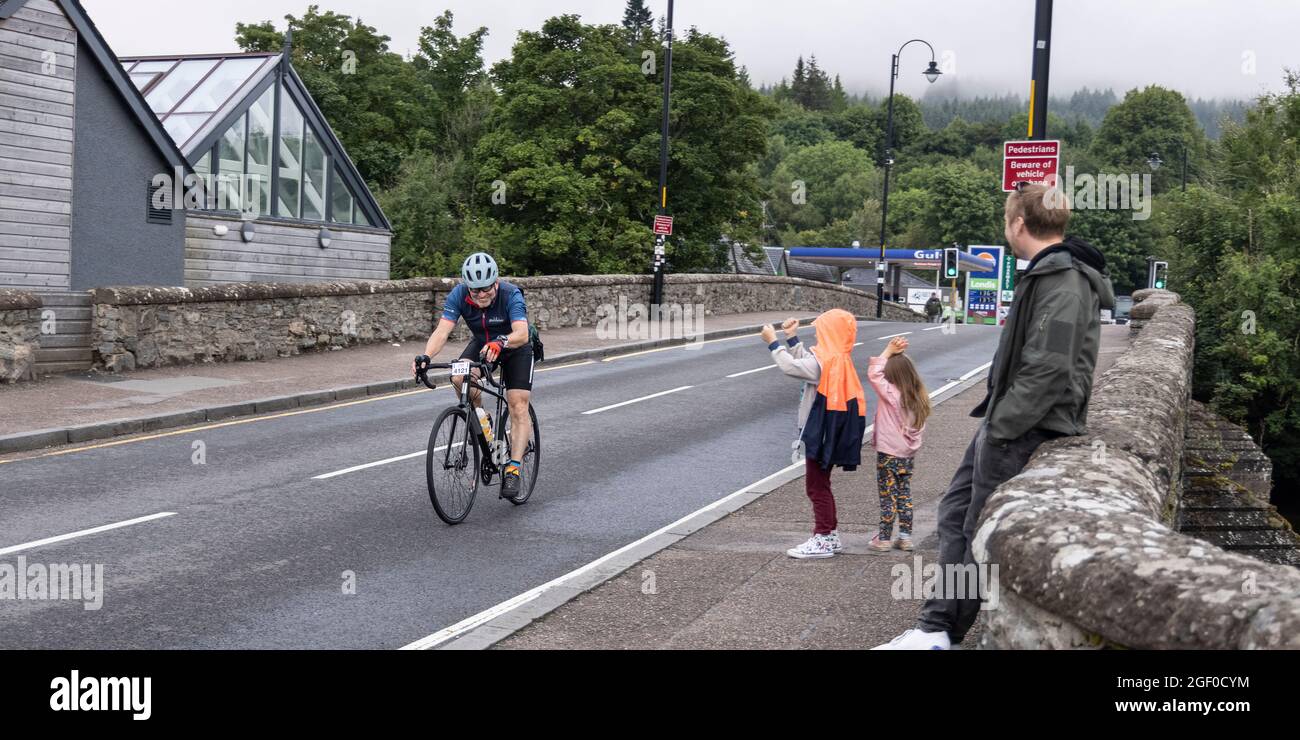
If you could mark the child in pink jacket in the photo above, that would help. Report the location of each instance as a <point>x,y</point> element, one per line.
<point>902,407</point>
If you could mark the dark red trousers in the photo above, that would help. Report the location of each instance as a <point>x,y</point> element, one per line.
<point>818,485</point>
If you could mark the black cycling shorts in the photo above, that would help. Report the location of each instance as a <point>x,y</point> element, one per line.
<point>516,364</point>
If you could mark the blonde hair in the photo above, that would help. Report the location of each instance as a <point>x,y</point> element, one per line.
<point>1045,210</point>
<point>902,374</point>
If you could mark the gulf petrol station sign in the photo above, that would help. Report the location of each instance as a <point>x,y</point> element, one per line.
<point>984,287</point>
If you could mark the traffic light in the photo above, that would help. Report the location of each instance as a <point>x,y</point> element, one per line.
<point>1160,275</point>
<point>950,262</point>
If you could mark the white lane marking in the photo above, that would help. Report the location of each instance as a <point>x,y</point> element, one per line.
<point>376,464</point>
<point>487,615</point>
<point>977,370</point>
<point>747,372</point>
<point>679,346</point>
<point>84,532</point>
<point>933,328</point>
<point>636,400</point>
<point>891,336</point>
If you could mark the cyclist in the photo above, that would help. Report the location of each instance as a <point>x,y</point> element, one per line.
<point>495,313</point>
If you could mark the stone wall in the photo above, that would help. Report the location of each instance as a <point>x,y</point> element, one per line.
<point>153,327</point>
<point>137,327</point>
<point>1084,537</point>
<point>20,334</point>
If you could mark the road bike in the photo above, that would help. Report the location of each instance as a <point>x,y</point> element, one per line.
<point>460,456</point>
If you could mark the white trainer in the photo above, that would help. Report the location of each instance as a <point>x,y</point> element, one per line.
<point>915,639</point>
<point>817,546</point>
<point>833,540</point>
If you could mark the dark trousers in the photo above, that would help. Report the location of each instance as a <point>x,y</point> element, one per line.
<point>817,483</point>
<point>985,467</point>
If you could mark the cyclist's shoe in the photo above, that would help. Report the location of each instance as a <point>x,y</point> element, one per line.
<point>510,481</point>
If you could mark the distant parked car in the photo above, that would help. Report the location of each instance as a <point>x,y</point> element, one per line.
<point>1123,305</point>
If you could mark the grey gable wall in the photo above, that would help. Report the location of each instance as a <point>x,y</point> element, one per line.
<point>112,244</point>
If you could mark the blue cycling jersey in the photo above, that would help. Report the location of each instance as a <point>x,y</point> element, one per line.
<point>485,323</point>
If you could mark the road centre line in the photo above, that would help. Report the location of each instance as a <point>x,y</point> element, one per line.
<point>636,400</point>
<point>84,532</point>
<point>377,463</point>
<point>747,372</point>
<point>891,336</point>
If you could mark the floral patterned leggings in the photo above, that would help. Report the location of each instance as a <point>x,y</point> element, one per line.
<point>894,481</point>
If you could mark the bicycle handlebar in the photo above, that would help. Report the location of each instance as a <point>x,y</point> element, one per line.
<point>423,364</point>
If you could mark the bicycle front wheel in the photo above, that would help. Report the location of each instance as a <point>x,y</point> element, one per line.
<point>451,466</point>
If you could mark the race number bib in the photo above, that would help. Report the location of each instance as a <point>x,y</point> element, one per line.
<point>459,368</point>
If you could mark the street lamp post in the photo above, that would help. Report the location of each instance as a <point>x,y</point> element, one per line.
<point>931,73</point>
<point>1154,161</point>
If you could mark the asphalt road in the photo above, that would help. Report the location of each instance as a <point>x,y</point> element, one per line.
<point>255,551</point>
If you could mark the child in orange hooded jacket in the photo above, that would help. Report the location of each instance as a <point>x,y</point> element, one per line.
<point>832,415</point>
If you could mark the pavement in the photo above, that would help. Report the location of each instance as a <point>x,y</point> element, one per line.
<point>729,585</point>
<point>81,407</point>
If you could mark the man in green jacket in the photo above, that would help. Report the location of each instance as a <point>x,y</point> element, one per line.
<point>1038,389</point>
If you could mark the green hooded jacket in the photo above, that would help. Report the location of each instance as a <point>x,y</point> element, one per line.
<point>1041,377</point>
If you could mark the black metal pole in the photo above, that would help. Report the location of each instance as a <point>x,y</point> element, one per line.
<point>884,198</point>
<point>1042,62</point>
<point>657,293</point>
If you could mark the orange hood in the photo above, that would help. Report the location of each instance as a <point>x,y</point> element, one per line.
<point>836,332</point>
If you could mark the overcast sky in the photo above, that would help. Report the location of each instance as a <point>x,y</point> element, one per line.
<point>1204,48</point>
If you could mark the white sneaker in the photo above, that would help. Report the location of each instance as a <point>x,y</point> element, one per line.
<point>833,540</point>
<point>817,546</point>
<point>915,639</point>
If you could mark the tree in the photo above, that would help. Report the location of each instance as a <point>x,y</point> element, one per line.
<point>574,146</point>
<point>817,185</point>
<point>1233,256</point>
<point>452,67</point>
<point>954,202</point>
<point>637,19</point>
<point>1147,121</point>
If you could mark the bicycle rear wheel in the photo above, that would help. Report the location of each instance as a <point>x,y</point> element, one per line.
<point>531,461</point>
<point>451,466</point>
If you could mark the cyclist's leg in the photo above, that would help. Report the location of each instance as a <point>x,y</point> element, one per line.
<point>470,353</point>
<point>517,372</point>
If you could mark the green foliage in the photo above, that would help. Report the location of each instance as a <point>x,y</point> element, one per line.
<point>576,143</point>
<point>1234,256</point>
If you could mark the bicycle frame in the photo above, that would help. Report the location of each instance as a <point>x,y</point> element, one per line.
<point>470,383</point>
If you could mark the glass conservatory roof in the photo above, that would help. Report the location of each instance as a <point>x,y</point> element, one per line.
<point>192,94</point>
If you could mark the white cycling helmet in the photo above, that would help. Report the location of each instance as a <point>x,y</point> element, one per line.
<point>479,270</point>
